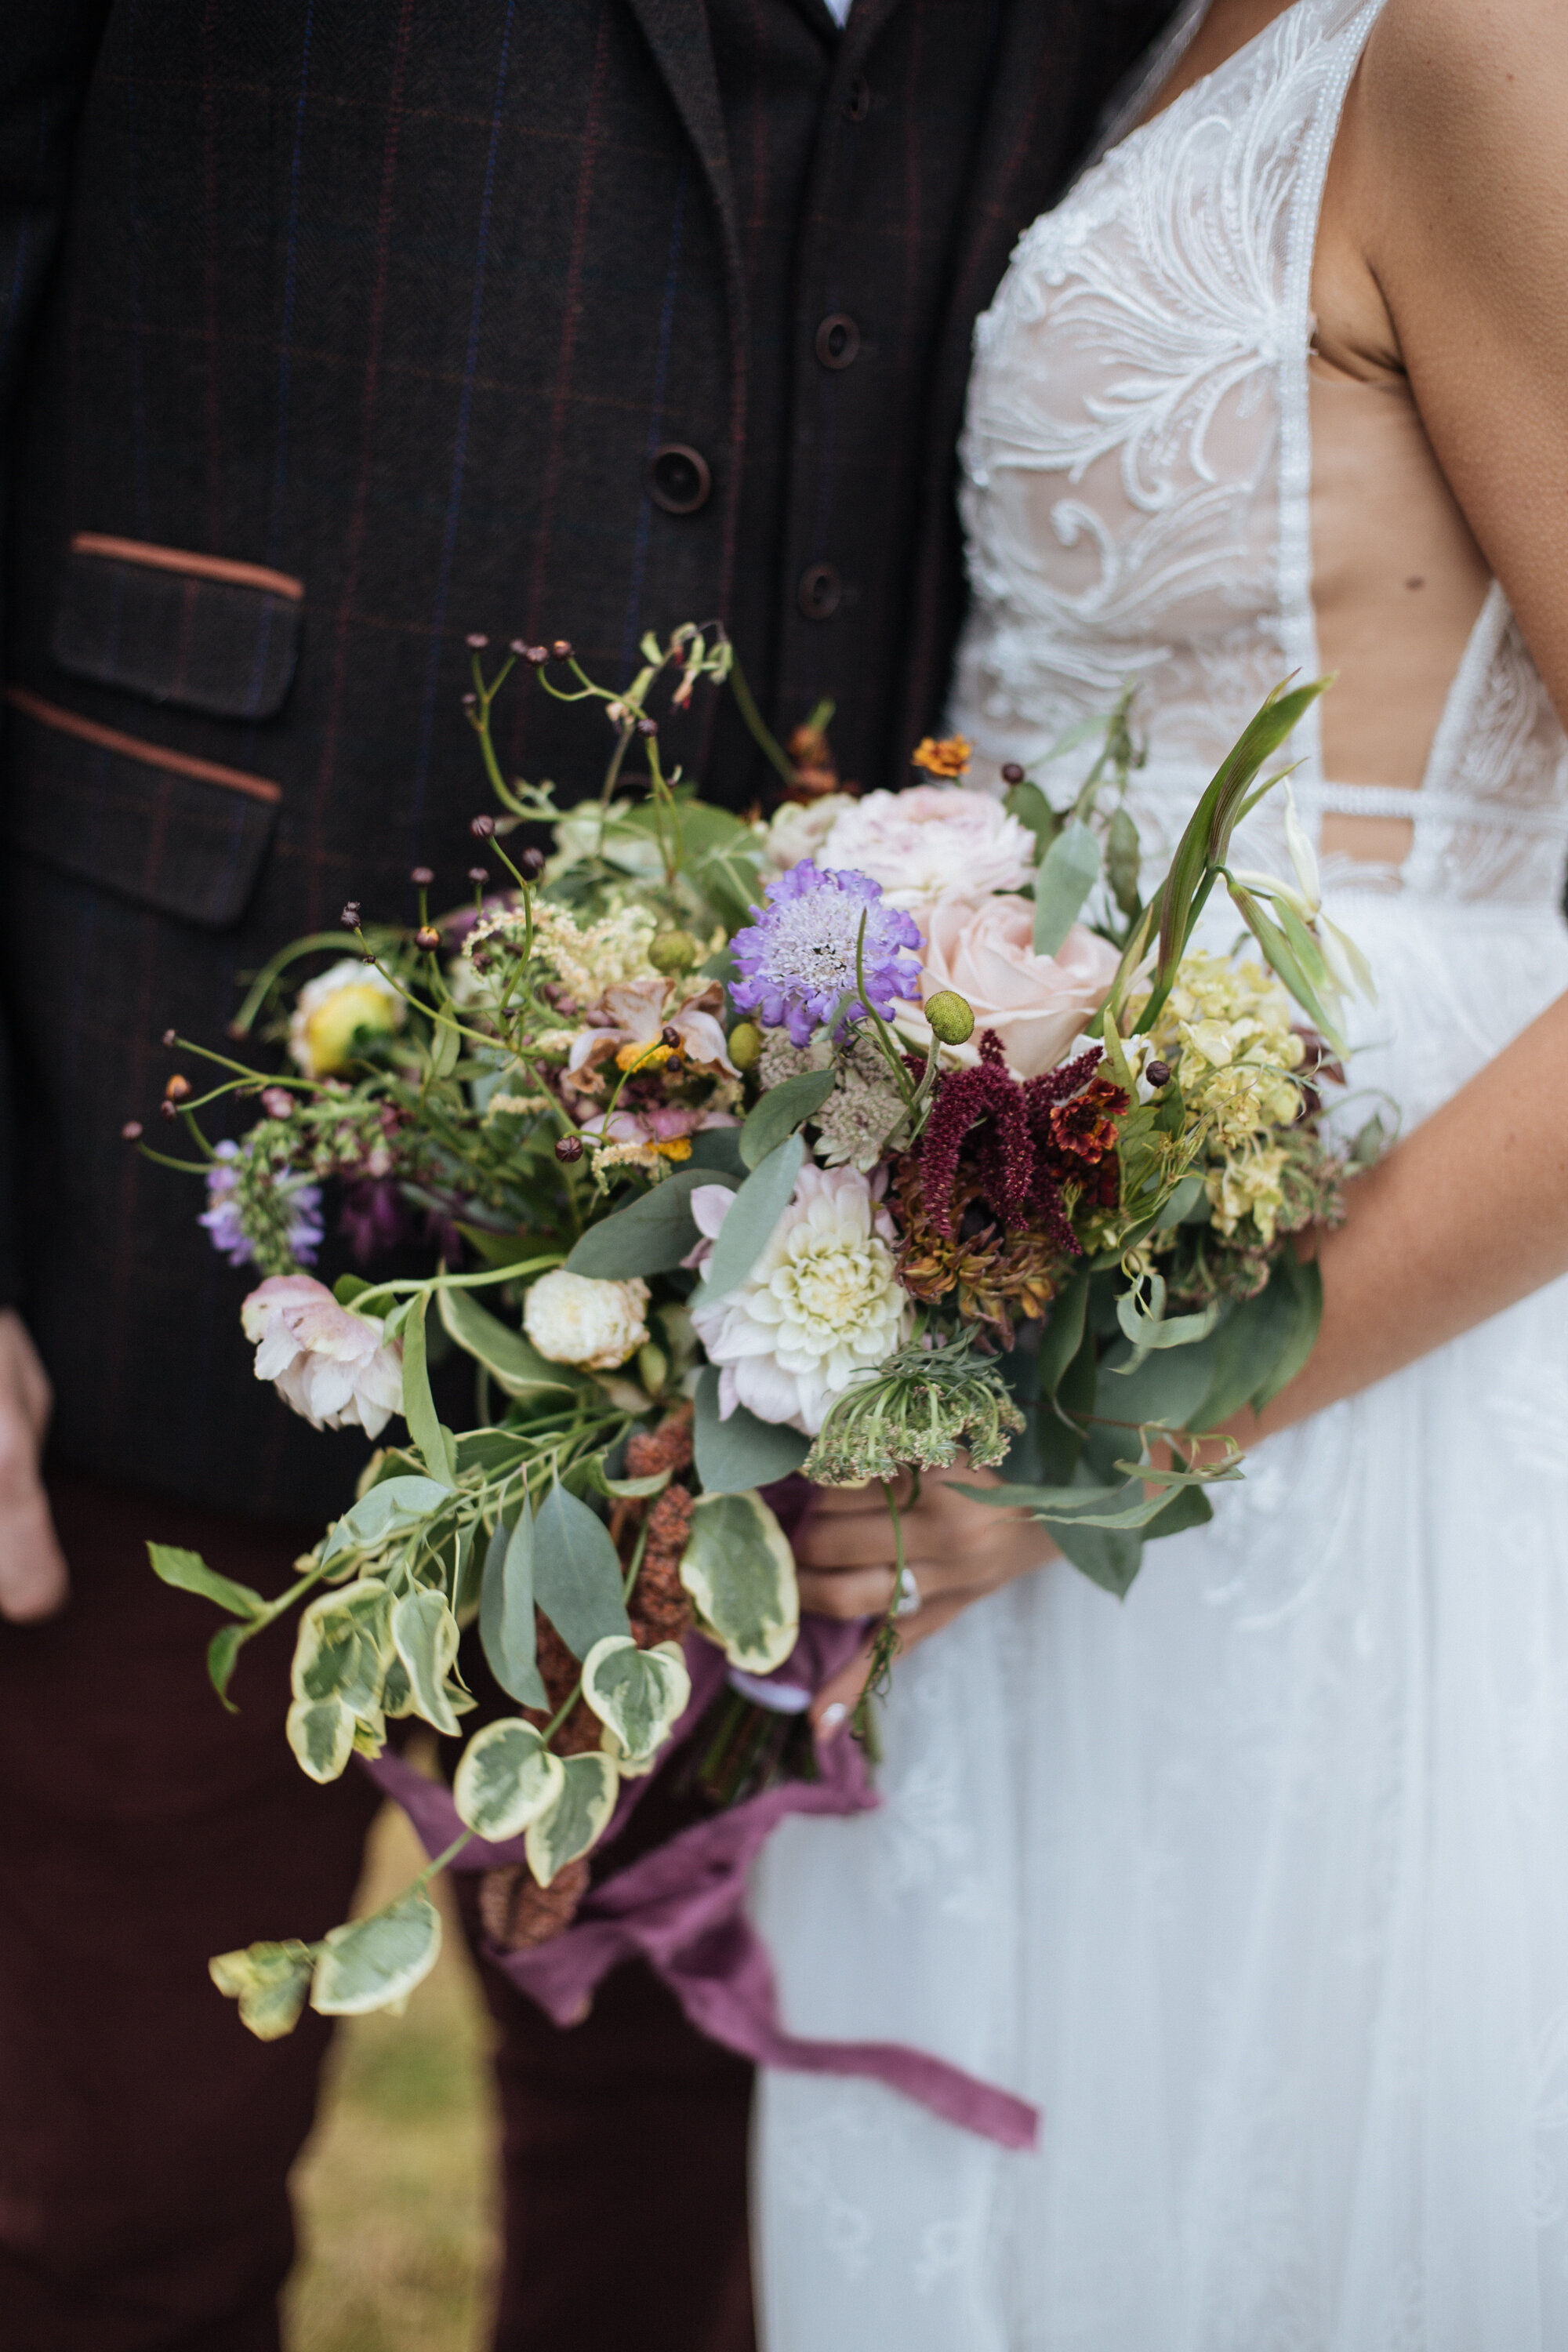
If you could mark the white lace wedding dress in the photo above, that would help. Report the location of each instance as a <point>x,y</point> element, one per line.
<point>1258,1883</point>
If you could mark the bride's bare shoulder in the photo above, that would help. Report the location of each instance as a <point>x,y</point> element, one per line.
<point>1469,87</point>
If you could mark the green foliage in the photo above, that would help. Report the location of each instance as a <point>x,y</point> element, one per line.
<point>781,1110</point>
<point>512,1361</point>
<point>321,1734</point>
<point>425,1633</point>
<point>505,1779</point>
<point>269,1981</point>
<point>506,1631</point>
<point>1068,873</point>
<point>576,1572</point>
<point>578,1818</point>
<point>391,1508</point>
<point>649,1236</point>
<point>419,1405</point>
<point>639,1693</point>
<point>740,1570</point>
<point>741,1452</point>
<point>375,1963</point>
<point>753,1218</point>
<point>189,1572</point>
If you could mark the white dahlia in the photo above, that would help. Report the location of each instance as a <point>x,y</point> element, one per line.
<point>822,1303</point>
<point>574,1320</point>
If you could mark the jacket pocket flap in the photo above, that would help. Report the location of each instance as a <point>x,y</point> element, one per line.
<point>201,631</point>
<point>185,836</point>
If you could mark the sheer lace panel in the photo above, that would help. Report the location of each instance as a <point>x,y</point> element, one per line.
<point>1137,475</point>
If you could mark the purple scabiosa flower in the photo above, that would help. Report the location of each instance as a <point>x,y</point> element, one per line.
<point>798,959</point>
<point>260,1224</point>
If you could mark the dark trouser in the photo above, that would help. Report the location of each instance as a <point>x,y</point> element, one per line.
<point>145,2138</point>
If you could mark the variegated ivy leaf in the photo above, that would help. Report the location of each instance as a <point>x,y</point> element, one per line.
<point>269,1981</point>
<point>390,1508</point>
<point>507,1778</point>
<point>639,1693</point>
<point>426,1633</point>
<point>321,1734</point>
<point>739,1568</point>
<point>375,1963</point>
<point>630,1768</point>
<point>345,1646</point>
<point>398,1691</point>
<point>578,1818</point>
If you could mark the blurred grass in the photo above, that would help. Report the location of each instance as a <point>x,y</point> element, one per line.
<point>395,2192</point>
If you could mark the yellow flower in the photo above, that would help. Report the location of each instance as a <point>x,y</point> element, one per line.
<point>947,755</point>
<point>333,1008</point>
<point>1247,1186</point>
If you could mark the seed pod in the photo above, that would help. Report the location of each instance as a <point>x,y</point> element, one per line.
<point>568,1147</point>
<point>482,827</point>
<point>1011,772</point>
<point>278,1102</point>
<point>477,641</point>
<point>952,1017</point>
<point>131,1131</point>
<point>674,951</point>
<point>536,655</point>
<point>531,864</point>
<point>561,649</point>
<point>745,1045</point>
<point>1157,1072</point>
<point>479,875</point>
<point>647,727</point>
<point>167,1110</point>
<point>178,1089</point>
<point>422,877</point>
<point>349,918</point>
<point>428,937</point>
<point>1122,858</point>
<point>670,1035</point>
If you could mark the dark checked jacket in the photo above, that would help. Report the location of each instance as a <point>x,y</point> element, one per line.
<point>333,331</point>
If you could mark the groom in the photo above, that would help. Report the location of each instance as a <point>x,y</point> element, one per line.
<point>332,332</point>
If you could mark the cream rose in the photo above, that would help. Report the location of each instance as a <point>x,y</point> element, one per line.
<point>914,842</point>
<point>574,1320</point>
<point>984,949</point>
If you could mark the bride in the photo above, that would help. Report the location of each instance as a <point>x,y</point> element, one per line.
<point>1257,1883</point>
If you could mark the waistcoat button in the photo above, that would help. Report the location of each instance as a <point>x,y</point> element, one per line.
<point>819,591</point>
<point>838,341</point>
<point>679,478</point>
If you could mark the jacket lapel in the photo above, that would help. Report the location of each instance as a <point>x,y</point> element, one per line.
<point>676,33</point>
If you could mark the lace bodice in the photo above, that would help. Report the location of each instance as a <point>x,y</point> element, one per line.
<point>1137,475</point>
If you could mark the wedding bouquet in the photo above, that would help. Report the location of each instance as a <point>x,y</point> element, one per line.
<point>895,1130</point>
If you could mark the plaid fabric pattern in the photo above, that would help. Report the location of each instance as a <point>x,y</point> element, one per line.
<point>402,303</point>
<point>176,632</point>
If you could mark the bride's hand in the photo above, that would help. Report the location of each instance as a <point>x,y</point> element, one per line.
<point>955,1551</point>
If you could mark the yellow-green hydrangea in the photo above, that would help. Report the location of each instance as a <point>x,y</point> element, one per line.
<point>589,958</point>
<point>1231,1025</point>
<point>1248,1185</point>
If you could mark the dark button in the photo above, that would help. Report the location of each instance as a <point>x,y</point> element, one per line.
<point>819,592</point>
<point>679,478</point>
<point>858,100</point>
<point>838,341</point>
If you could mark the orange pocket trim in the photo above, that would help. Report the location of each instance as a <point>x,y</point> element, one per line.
<point>131,747</point>
<point>198,567</point>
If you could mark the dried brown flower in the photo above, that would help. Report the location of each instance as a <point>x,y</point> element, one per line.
<point>517,1913</point>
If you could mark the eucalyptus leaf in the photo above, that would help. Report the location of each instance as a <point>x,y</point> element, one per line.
<point>741,1452</point>
<point>419,1405</point>
<point>576,1572</point>
<point>446,1045</point>
<point>426,1633</point>
<point>269,1981</point>
<point>505,1779</point>
<point>512,1361</point>
<point>781,1110</point>
<point>321,1734</point>
<point>739,1568</point>
<point>1068,873</point>
<point>392,1508</point>
<point>718,1148</point>
<point>507,1630</point>
<point>189,1572</point>
<point>650,1235</point>
<point>1303,1283</point>
<point>1169,1386</point>
<point>223,1654</point>
<point>1028,804</point>
<point>579,1817</point>
<point>1063,1334</point>
<point>752,1219</point>
<point>375,1963</point>
<point>640,1693</point>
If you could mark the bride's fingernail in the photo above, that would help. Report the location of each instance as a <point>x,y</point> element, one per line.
<point>832,1717</point>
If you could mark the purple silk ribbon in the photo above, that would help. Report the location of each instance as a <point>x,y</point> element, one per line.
<point>682,1908</point>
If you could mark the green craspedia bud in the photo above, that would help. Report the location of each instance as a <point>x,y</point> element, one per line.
<point>745,1045</point>
<point>952,1017</point>
<point>674,951</point>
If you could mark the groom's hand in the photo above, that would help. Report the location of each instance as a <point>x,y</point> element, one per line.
<point>955,1550</point>
<point>32,1568</point>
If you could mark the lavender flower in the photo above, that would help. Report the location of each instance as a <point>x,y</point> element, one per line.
<point>798,958</point>
<point>256,1218</point>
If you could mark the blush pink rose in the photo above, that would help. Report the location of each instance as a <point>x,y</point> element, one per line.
<point>984,947</point>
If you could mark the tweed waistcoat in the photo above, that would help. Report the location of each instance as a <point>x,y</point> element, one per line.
<point>335,333</point>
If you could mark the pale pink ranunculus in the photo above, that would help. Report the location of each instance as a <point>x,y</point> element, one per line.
<point>917,843</point>
<point>331,1365</point>
<point>984,949</point>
